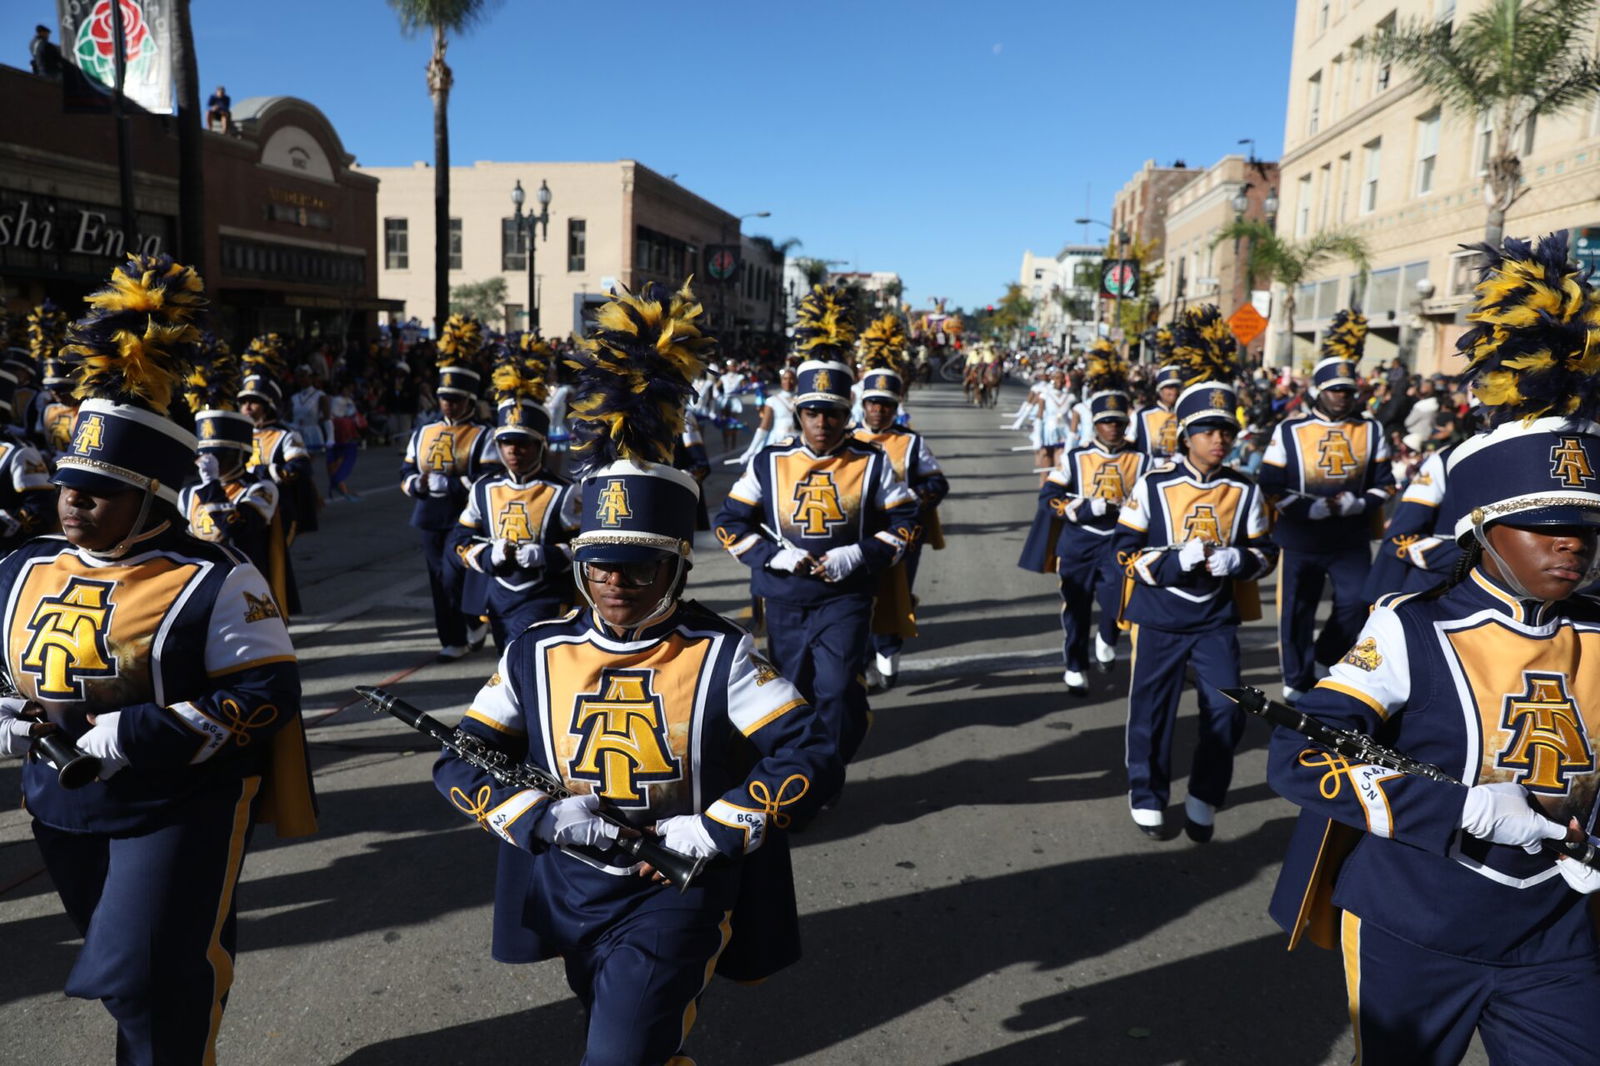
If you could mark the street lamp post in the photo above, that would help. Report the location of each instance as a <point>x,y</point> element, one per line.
<point>1241,206</point>
<point>1122,243</point>
<point>525,229</point>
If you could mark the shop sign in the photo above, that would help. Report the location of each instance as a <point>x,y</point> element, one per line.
<point>73,236</point>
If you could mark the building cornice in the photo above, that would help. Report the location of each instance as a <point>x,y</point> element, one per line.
<point>1389,98</point>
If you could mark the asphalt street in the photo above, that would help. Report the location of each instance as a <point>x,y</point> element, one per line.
<point>978,896</point>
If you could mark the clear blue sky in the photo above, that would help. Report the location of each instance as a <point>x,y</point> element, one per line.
<point>938,139</point>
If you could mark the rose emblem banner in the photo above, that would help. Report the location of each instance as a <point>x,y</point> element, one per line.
<point>88,40</point>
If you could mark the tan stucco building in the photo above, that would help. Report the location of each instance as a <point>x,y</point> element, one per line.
<point>1368,151</point>
<point>616,223</point>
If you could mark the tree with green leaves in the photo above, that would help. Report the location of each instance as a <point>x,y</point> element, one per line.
<point>441,18</point>
<point>1513,61</point>
<point>482,300</point>
<point>1012,313</point>
<point>1292,263</point>
<point>815,271</point>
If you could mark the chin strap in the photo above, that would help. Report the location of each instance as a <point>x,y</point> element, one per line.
<point>663,605</point>
<point>135,531</point>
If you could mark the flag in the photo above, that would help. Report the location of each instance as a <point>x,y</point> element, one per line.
<point>88,43</point>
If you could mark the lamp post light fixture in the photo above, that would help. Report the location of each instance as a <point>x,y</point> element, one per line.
<point>525,229</point>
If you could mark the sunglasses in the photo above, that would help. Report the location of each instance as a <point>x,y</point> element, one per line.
<point>629,575</point>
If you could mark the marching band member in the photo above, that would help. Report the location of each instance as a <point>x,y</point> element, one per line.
<point>1194,531</point>
<point>1326,471</point>
<point>26,495</point>
<point>655,706</point>
<point>230,505</point>
<point>1450,915</point>
<point>45,420</point>
<point>816,519</point>
<point>1415,553</point>
<point>518,519</point>
<point>444,456</point>
<point>1155,426</point>
<point>883,387</point>
<point>1076,522</point>
<point>165,658</point>
<point>277,454</point>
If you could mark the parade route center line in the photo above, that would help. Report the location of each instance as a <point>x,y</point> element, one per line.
<point>314,718</point>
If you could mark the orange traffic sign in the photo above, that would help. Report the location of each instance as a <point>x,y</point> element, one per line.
<point>1247,323</point>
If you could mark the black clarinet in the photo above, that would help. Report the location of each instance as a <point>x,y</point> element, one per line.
<point>1360,747</point>
<point>73,768</point>
<point>680,869</point>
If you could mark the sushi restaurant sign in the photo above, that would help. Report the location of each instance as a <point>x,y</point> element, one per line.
<point>73,235</point>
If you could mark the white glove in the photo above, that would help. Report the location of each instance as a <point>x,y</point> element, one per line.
<point>530,555</point>
<point>1501,814</point>
<point>757,442</point>
<point>1098,507</point>
<point>499,552</point>
<point>1579,878</point>
<point>101,742</point>
<point>1192,554</point>
<point>572,822</point>
<point>1417,551</point>
<point>9,524</point>
<point>1349,503</point>
<point>438,484</point>
<point>1224,561</point>
<point>209,466</point>
<point>839,563</point>
<point>686,834</point>
<point>787,560</point>
<point>1320,509</point>
<point>16,733</point>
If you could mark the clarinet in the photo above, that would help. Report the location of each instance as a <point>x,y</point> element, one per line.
<point>73,768</point>
<point>680,869</point>
<point>1360,747</point>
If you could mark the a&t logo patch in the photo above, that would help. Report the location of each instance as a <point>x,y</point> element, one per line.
<point>817,508</point>
<point>612,505</point>
<point>1548,741</point>
<point>624,742</point>
<point>1569,463</point>
<point>90,435</point>
<point>69,639</point>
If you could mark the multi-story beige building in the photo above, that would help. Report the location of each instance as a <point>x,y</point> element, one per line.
<point>617,223</point>
<point>1140,207</point>
<point>1199,269</point>
<point>1369,152</point>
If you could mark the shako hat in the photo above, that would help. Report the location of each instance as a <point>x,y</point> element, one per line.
<point>1341,350</point>
<point>47,332</point>
<point>1533,356</point>
<point>459,346</point>
<point>520,388</point>
<point>1108,406</point>
<point>883,359</point>
<point>823,384</point>
<point>212,391</point>
<point>632,376</point>
<point>263,365</point>
<point>1203,356</point>
<point>135,345</point>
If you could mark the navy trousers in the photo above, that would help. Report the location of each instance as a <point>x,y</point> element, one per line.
<point>508,622</point>
<point>1155,685</point>
<point>822,648</point>
<point>891,643</point>
<point>1089,574</point>
<point>157,912</point>
<point>641,981</point>
<point>445,584</point>
<point>1415,1007</point>
<point>1300,580</point>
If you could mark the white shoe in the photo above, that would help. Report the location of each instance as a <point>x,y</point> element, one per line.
<point>1104,654</point>
<point>888,666</point>
<point>450,653</point>
<point>1291,695</point>
<point>874,679</point>
<point>1076,682</point>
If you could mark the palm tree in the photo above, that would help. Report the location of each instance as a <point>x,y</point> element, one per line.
<point>1512,61</point>
<point>815,271</point>
<point>441,18</point>
<point>1290,263</point>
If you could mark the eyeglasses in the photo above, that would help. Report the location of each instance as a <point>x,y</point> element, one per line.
<point>628,575</point>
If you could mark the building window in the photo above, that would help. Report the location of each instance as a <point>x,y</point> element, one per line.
<point>513,245</point>
<point>1528,130</point>
<point>455,244</point>
<point>1344,187</point>
<point>1314,103</point>
<point>396,244</point>
<point>1324,194</point>
<point>1427,150</point>
<point>1373,151</point>
<point>1302,214</point>
<point>1482,144</point>
<point>1385,29</point>
<point>1322,15</point>
<point>1464,272</point>
<point>577,244</point>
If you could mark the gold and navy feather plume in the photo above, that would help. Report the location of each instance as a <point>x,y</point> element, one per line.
<point>1203,346</point>
<point>460,342</point>
<point>1103,368</point>
<point>138,339</point>
<point>883,346</point>
<point>633,374</point>
<point>1161,339</point>
<point>825,326</point>
<point>47,331</point>
<point>1534,349</point>
<point>519,374</point>
<point>1346,337</point>
<point>264,356</point>
<point>213,381</point>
